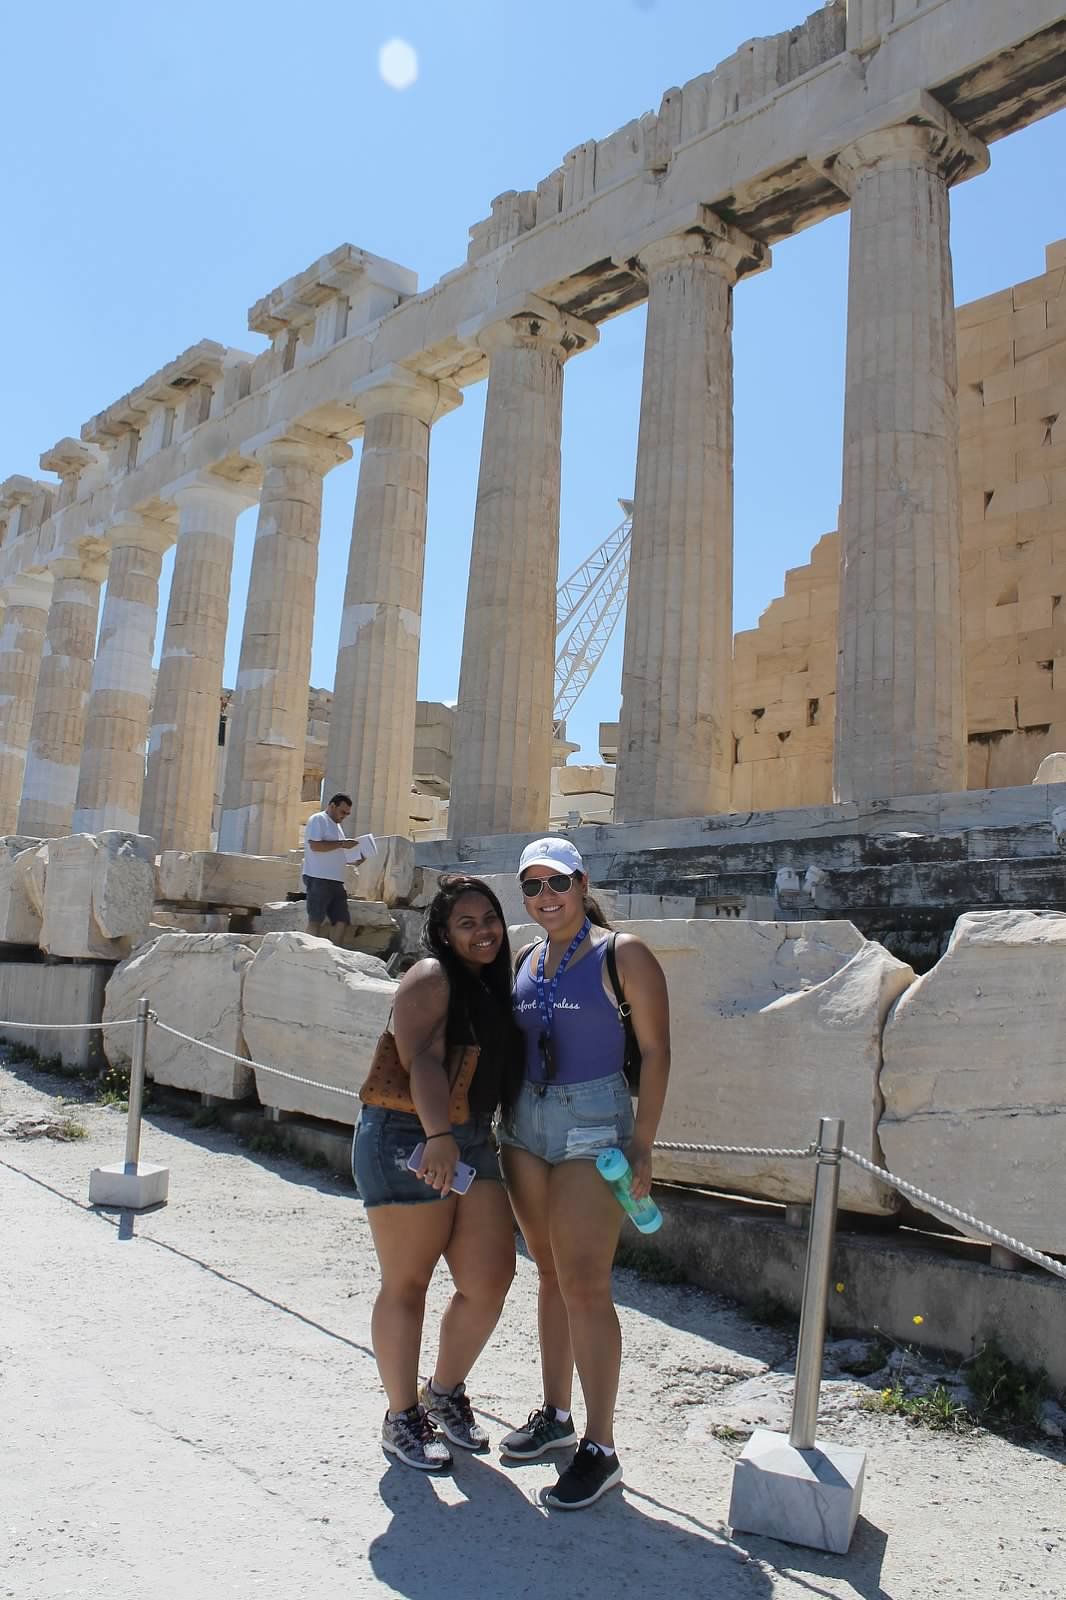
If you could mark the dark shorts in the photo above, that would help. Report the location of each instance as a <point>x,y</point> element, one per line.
<point>327,900</point>
<point>385,1139</point>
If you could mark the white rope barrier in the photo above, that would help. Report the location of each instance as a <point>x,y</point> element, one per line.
<point>764,1152</point>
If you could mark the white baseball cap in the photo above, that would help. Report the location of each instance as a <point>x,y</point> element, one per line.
<point>557,853</point>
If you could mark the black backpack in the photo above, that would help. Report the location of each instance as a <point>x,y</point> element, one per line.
<point>632,1057</point>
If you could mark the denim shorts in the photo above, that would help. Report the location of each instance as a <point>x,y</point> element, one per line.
<point>570,1121</point>
<point>383,1143</point>
<point>327,900</point>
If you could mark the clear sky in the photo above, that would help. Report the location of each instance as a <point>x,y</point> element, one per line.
<point>165,166</point>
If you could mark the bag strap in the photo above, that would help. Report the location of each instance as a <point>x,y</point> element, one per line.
<point>525,951</point>
<point>624,1008</point>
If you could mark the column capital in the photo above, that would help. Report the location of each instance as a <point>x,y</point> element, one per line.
<point>133,530</point>
<point>196,488</point>
<point>291,444</point>
<point>529,321</point>
<point>396,389</point>
<point>915,129</point>
<point>28,589</point>
<point>697,233</point>
<point>88,565</point>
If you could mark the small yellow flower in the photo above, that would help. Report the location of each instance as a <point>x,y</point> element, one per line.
<point>886,1394</point>
<point>840,1288</point>
<point>917,1321</point>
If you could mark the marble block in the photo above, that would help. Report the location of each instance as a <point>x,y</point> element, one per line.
<point>808,1497</point>
<point>113,1185</point>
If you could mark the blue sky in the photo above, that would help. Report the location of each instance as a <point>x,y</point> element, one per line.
<point>166,166</point>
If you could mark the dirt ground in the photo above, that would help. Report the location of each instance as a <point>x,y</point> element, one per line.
<point>190,1407</point>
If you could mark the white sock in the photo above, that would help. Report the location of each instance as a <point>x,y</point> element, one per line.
<point>438,1391</point>
<point>608,1449</point>
<point>561,1416</point>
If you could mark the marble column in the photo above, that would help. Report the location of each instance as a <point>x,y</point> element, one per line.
<point>267,730</point>
<point>900,709</point>
<point>501,773</point>
<point>111,778</point>
<point>25,601</point>
<point>179,787</point>
<point>675,742</point>
<point>372,721</point>
<point>57,733</point>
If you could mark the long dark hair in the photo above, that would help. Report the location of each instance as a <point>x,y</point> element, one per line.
<point>593,909</point>
<point>467,993</point>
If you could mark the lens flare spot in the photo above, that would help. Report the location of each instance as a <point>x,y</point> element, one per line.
<point>397,64</point>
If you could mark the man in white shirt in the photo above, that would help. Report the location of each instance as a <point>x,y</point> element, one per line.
<point>327,851</point>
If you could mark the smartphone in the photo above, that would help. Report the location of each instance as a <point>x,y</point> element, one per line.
<point>462,1179</point>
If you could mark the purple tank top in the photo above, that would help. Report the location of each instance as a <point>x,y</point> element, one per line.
<point>588,1039</point>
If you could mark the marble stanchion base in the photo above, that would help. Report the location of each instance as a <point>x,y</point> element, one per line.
<point>115,1185</point>
<point>808,1497</point>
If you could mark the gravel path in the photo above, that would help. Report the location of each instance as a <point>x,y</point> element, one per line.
<point>191,1406</point>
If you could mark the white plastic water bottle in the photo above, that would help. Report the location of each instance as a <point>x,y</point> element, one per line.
<point>613,1167</point>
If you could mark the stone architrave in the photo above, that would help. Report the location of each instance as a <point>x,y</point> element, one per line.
<point>192,981</point>
<point>268,720</point>
<point>111,778</point>
<point>372,720</point>
<point>57,734</point>
<point>98,893</point>
<point>25,601</point>
<point>203,879</point>
<point>675,744</point>
<point>316,1011</point>
<point>900,705</point>
<point>179,785</point>
<point>973,1081</point>
<point>501,781</point>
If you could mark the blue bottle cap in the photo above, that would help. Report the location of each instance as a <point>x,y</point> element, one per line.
<point>611,1164</point>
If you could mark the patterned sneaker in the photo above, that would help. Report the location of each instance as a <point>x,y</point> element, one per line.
<point>591,1473</point>
<point>412,1437</point>
<point>452,1414</point>
<point>542,1432</point>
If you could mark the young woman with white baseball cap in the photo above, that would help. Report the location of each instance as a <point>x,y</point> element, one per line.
<point>575,1102</point>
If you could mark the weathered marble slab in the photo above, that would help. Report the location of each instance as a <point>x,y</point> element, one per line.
<point>974,1075</point>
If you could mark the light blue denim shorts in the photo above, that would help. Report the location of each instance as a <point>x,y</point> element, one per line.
<point>570,1121</point>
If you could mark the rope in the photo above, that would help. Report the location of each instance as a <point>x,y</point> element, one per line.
<point>742,1150</point>
<point>935,1204</point>
<point>260,1066</point>
<point>70,1027</point>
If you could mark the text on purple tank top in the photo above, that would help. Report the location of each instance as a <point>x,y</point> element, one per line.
<point>587,1034</point>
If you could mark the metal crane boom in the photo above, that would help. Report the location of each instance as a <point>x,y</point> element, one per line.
<point>588,607</point>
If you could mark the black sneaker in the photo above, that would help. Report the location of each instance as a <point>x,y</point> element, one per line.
<point>543,1432</point>
<point>591,1473</point>
<point>412,1437</point>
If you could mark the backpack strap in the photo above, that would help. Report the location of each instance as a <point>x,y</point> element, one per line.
<point>526,950</point>
<point>624,1008</point>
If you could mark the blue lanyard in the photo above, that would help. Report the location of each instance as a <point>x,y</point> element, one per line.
<point>546,997</point>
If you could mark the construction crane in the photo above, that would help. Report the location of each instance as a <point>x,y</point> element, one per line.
<point>587,608</point>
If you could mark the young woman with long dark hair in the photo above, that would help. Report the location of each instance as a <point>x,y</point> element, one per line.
<point>573,1103</point>
<point>458,996</point>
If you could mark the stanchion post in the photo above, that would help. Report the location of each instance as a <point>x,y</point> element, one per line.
<point>136,1096</point>
<point>814,1306</point>
<point>132,1183</point>
<point>797,1489</point>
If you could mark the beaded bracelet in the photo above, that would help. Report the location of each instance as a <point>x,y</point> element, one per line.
<point>445,1135</point>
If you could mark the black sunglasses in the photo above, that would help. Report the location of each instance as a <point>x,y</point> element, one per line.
<point>558,883</point>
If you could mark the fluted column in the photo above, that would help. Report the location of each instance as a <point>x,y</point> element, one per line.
<point>111,777</point>
<point>372,721</point>
<point>267,729</point>
<point>25,601</point>
<point>179,787</point>
<point>57,734</point>
<point>900,709</point>
<point>675,744</point>
<point>501,773</point>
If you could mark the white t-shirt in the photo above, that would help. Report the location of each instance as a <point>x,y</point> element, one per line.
<point>324,863</point>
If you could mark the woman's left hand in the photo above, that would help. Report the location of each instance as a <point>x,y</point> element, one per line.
<point>638,1153</point>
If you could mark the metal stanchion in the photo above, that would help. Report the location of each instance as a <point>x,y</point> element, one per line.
<point>795,1488</point>
<point>814,1307</point>
<point>132,1183</point>
<point>136,1097</point>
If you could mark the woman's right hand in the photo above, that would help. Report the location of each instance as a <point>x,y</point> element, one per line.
<point>439,1161</point>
